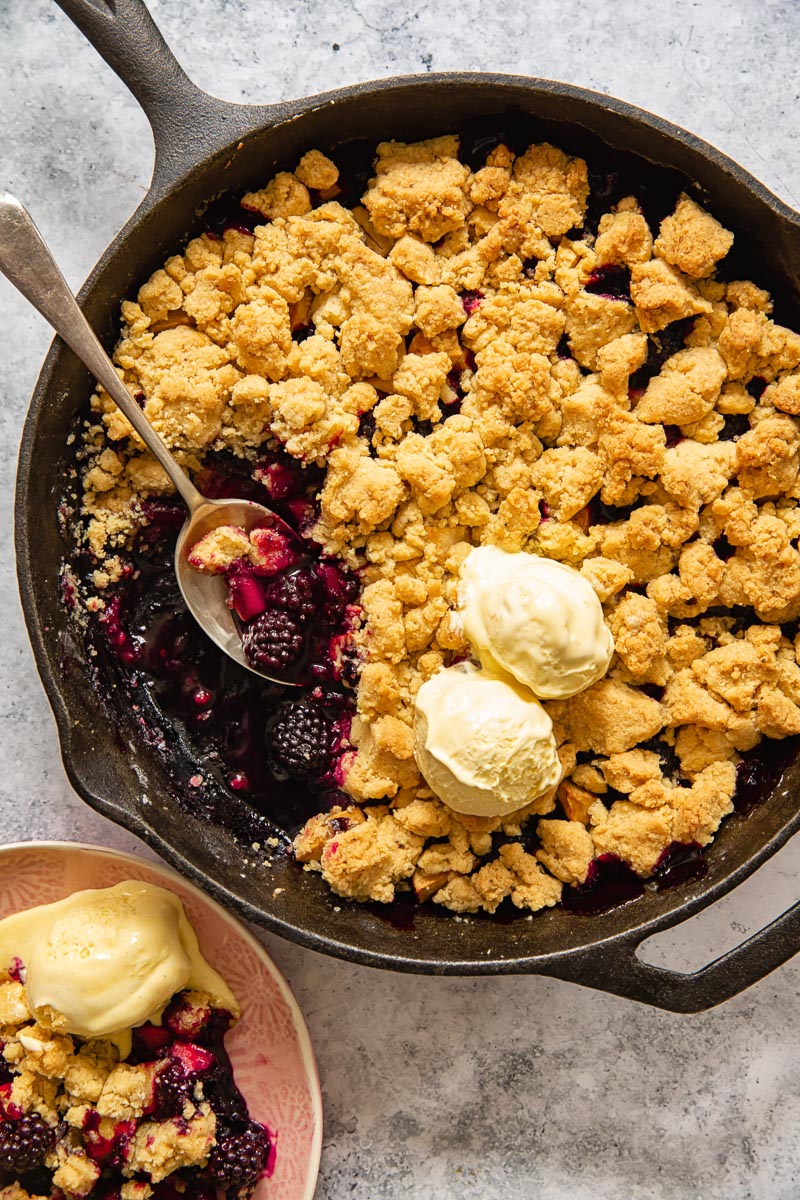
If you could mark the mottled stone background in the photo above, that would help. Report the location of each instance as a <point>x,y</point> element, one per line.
<point>511,1088</point>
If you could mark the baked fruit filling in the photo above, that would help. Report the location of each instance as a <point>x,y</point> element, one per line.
<point>464,347</point>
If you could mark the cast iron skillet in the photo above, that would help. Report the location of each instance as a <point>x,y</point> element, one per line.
<point>205,147</point>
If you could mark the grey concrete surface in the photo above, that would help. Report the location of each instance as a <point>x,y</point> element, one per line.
<point>497,1088</point>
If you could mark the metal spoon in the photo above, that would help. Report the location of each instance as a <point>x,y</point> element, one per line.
<point>27,263</point>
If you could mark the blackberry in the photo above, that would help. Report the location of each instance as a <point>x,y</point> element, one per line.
<point>273,641</point>
<point>238,1160</point>
<point>24,1144</point>
<point>293,592</point>
<point>173,1087</point>
<point>298,740</point>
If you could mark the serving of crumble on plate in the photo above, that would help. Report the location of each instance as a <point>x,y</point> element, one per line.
<point>197,1104</point>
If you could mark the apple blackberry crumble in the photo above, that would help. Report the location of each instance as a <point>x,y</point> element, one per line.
<point>112,1086</point>
<point>463,352</point>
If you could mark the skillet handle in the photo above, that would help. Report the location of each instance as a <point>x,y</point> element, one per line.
<point>187,122</point>
<point>614,967</point>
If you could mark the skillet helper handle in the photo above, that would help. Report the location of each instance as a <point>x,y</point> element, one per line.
<point>185,120</point>
<point>26,261</point>
<point>614,967</point>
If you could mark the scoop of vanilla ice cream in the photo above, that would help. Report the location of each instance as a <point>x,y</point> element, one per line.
<point>485,746</point>
<point>535,619</point>
<point>109,959</point>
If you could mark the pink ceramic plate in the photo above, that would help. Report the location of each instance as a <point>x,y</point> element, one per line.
<point>270,1049</point>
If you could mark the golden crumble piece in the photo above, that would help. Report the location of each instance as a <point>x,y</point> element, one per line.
<point>631,769</point>
<point>437,309</point>
<point>76,1175</point>
<point>160,1147</point>
<point>586,413</point>
<point>284,196</point>
<point>421,377</point>
<point>214,553</point>
<point>368,861</point>
<point>524,321</point>
<point>516,519</point>
<point>454,855</point>
<point>663,295</point>
<point>765,573</point>
<point>558,185</point>
<point>13,1191</point>
<point>368,347</point>
<point>317,171</point>
<point>261,336</point>
<point>619,358</point>
<point>686,388</point>
<point>384,616</point>
<point>359,491</point>
<point>211,296</point>
<point>416,259</point>
<point>318,831</point>
<point>640,638</point>
<point>392,735</point>
<point>246,418</point>
<point>735,672</point>
<point>632,450</point>
<point>587,777</point>
<point>418,188</point>
<point>698,748</point>
<point>48,1054</point>
<point>752,344</point>
<point>698,810</point>
<point>785,395</point>
<point>85,1076</point>
<point>688,702</point>
<point>488,186</point>
<point>127,1092</point>
<point>567,850</point>
<point>13,1003</point>
<point>463,449</point>
<point>623,237</point>
<point>378,689</point>
<point>460,895</point>
<point>767,457</point>
<point>594,321</point>
<point>33,1092</point>
<point>692,240</point>
<point>159,297</point>
<point>425,818</point>
<point>636,835</point>
<point>567,477</point>
<point>777,715</point>
<point>606,576</point>
<point>492,883</point>
<point>135,1189</point>
<point>533,888</point>
<point>307,421</point>
<point>685,645</point>
<point>428,475</point>
<point>743,293</point>
<point>609,717</point>
<point>695,475</point>
<point>187,381</point>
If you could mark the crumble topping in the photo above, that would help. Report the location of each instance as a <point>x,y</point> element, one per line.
<point>472,364</point>
<point>71,1108</point>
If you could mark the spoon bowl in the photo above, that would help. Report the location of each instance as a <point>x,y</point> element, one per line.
<point>206,595</point>
<point>26,261</point>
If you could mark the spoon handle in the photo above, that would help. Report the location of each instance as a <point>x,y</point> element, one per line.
<point>27,263</point>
